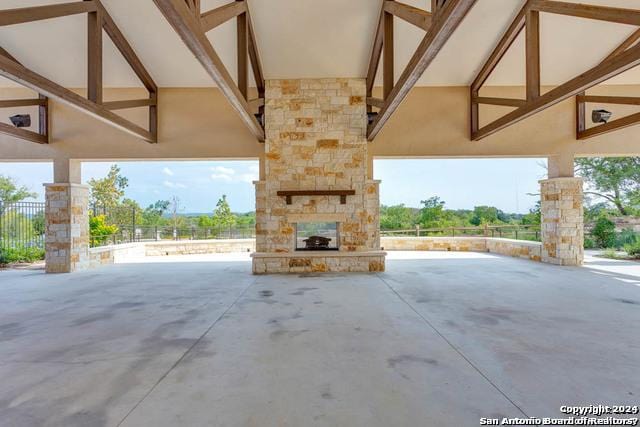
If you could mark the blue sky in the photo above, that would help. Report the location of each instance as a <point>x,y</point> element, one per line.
<point>461,183</point>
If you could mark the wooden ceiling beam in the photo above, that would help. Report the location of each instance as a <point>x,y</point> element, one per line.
<point>38,13</point>
<point>129,103</point>
<point>192,34</point>
<point>376,54</point>
<point>22,133</point>
<point>606,99</point>
<point>218,16</point>
<point>418,17</point>
<point>254,57</point>
<point>575,86</point>
<point>18,73</point>
<point>13,103</point>
<point>504,102</point>
<point>614,125</point>
<point>587,11</point>
<point>448,19</point>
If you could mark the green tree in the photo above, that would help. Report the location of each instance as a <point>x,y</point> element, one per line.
<point>398,217</point>
<point>484,215</point>
<point>615,179</point>
<point>10,192</point>
<point>534,217</point>
<point>604,232</point>
<point>99,230</point>
<point>205,221</point>
<point>108,191</point>
<point>431,213</point>
<point>222,216</point>
<point>153,213</point>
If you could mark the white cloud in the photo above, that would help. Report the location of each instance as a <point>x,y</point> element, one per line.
<point>248,177</point>
<point>221,170</point>
<point>170,184</point>
<point>221,177</point>
<point>167,171</point>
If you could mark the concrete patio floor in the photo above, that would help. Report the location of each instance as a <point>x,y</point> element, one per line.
<point>437,340</point>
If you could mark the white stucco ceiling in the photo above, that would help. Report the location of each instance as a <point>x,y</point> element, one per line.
<point>311,38</point>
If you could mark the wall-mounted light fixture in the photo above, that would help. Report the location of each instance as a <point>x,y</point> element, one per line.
<point>601,116</point>
<point>21,120</point>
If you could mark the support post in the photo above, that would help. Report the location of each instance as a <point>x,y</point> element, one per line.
<point>562,214</point>
<point>66,219</point>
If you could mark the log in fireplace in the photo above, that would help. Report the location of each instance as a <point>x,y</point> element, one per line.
<point>317,236</point>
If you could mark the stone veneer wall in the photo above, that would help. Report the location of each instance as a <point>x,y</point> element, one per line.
<point>316,140</point>
<point>562,221</point>
<point>509,247</point>
<point>67,227</point>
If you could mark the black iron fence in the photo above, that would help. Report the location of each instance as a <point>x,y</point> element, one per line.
<point>517,232</point>
<point>125,224</point>
<point>22,225</point>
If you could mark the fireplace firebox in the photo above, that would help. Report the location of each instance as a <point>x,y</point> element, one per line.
<point>317,236</point>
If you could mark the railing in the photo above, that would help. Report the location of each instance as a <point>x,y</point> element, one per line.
<point>22,225</point>
<point>517,232</point>
<point>128,234</point>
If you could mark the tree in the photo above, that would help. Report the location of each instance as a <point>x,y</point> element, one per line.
<point>222,216</point>
<point>534,217</point>
<point>431,213</point>
<point>398,217</point>
<point>154,212</point>
<point>10,192</point>
<point>108,191</point>
<point>604,232</point>
<point>615,179</point>
<point>484,215</point>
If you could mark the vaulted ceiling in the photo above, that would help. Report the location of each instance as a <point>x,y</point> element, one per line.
<point>311,38</point>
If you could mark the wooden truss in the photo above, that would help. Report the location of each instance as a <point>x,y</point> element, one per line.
<point>192,25</point>
<point>439,24</point>
<point>98,20</point>
<point>40,137</point>
<point>625,57</point>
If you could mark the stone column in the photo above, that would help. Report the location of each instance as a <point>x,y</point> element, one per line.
<point>66,220</point>
<point>562,215</point>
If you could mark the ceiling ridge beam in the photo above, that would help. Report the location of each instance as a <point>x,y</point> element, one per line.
<point>418,17</point>
<point>191,32</point>
<point>218,16</point>
<point>448,20</point>
<point>575,86</point>
<point>38,13</point>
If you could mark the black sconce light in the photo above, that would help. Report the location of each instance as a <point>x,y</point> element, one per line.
<point>601,116</point>
<point>21,120</point>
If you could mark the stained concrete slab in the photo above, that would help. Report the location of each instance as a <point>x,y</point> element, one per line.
<point>439,339</point>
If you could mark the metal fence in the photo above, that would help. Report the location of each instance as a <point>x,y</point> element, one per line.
<point>517,232</point>
<point>22,225</point>
<point>129,228</point>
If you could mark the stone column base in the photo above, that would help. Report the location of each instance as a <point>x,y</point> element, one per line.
<point>67,227</point>
<point>318,262</point>
<point>562,221</point>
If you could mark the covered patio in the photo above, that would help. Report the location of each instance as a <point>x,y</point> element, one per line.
<point>438,339</point>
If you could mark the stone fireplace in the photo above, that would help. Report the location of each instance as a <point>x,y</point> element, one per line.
<point>316,172</point>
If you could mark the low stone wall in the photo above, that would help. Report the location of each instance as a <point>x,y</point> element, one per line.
<point>198,247</point>
<point>514,248</point>
<point>106,255</point>
<point>318,262</point>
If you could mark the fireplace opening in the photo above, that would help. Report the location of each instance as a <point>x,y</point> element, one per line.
<point>317,236</point>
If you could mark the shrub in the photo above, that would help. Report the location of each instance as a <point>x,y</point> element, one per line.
<point>610,253</point>
<point>589,243</point>
<point>604,232</point>
<point>21,254</point>
<point>633,249</point>
<point>99,230</point>
<point>626,237</point>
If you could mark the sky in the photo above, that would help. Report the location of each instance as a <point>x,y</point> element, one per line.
<point>461,183</point>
